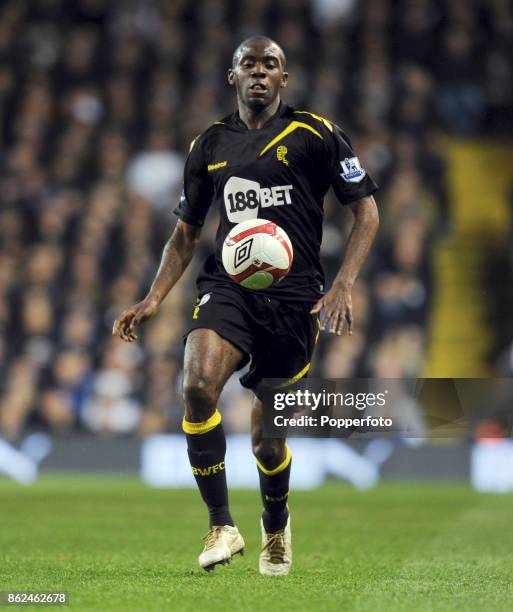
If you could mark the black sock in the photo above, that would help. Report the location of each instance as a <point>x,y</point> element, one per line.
<point>206,447</point>
<point>274,487</point>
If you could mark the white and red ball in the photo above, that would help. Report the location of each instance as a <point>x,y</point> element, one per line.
<point>257,254</point>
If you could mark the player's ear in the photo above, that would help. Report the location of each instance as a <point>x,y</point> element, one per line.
<point>231,76</point>
<point>284,79</point>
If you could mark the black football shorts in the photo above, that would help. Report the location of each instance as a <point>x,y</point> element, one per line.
<point>278,337</point>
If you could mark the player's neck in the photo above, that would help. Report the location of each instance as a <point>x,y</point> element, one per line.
<point>256,119</point>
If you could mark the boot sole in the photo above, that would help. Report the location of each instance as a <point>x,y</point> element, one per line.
<point>211,567</point>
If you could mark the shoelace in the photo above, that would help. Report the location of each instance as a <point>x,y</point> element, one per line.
<point>211,537</point>
<point>276,546</point>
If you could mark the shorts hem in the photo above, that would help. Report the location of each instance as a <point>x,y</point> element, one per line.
<point>226,336</point>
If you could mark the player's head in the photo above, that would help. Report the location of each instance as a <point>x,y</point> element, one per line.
<point>258,71</point>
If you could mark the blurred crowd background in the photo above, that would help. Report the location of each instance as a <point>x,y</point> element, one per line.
<point>99,101</point>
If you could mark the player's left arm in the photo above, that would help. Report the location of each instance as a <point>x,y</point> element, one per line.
<point>337,303</point>
<point>353,187</point>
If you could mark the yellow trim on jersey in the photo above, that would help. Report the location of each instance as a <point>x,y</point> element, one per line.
<point>318,329</point>
<point>203,427</point>
<point>293,125</point>
<point>283,465</point>
<point>326,122</point>
<point>192,143</point>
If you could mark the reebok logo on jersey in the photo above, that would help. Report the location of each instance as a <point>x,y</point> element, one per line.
<point>242,198</point>
<point>208,471</point>
<point>222,164</point>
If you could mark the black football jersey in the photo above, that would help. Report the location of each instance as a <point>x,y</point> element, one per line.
<point>281,173</point>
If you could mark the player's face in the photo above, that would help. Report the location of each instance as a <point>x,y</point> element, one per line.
<point>258,74</point>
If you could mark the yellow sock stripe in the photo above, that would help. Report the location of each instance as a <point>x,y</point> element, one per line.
<point>281,467</point>
<point>202,427</point>
<point>293,125</point>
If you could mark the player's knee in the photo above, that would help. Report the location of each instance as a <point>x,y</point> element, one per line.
<point>269,452</point>
<point>200,397</point>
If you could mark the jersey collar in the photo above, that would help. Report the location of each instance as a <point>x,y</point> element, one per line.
<point>235,120</point>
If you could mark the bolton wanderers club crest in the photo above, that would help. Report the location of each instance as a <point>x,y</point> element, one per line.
<point>281,153</point>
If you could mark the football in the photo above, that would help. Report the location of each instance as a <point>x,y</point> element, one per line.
<point>257,254</point>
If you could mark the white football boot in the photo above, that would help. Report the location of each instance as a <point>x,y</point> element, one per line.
<point>221,543</point>
<point>276,554</point>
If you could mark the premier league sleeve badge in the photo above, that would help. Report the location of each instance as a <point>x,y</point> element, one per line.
<point>352,172</point>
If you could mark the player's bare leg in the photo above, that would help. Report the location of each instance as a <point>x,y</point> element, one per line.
<point>274,463</point>
<point>209,362</point>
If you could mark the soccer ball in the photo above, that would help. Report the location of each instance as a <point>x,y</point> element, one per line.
<point>257,254</point>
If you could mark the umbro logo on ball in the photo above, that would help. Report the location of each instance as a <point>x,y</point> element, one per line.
<point>243,252</point>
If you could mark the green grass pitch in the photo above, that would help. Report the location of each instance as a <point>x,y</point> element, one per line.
<point>115,544</point>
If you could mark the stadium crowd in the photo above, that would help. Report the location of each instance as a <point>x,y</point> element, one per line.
<point>98,102</point>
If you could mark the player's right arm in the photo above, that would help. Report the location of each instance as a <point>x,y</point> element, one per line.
<point>176,256</point>
<point>181,246</point>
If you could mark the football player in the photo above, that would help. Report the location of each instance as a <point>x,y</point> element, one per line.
<point>266,160</point>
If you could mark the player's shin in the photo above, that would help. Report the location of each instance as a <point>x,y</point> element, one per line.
<point>274,487</point>
<point>206,447</point>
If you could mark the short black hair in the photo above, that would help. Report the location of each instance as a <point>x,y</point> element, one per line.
<point>248,41</point>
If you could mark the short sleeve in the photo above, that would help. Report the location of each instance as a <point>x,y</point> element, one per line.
<point>348,178</point>
<point>197,188</point>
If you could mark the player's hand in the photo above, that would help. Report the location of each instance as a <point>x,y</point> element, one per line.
<point>124,326</point>
<point>338,310</point>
